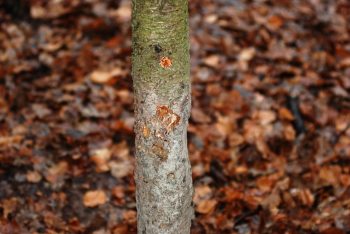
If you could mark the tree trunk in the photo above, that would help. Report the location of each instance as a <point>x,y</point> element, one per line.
<point>160,70</point>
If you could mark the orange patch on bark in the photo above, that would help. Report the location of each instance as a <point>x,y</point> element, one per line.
<point>165,62</point>
<point>146,131</point>
<point>168,118</point>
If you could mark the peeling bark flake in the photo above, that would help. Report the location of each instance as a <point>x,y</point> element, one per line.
<point>168,118</point>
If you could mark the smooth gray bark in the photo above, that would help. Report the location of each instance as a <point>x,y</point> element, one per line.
<point>160,70</point>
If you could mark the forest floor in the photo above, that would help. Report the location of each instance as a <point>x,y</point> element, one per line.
<point>269,133</point>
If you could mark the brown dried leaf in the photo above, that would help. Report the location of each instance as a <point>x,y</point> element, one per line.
<point>8,206</point>
<point>330,174</point>
<point>120,169</point>
<point>129,216</point>
<point>118,192</point>
<point>57,171</point>
<point>101,157</point>
<point>285,114</point>
<point>206,206</point>
<point>201,193</point>
<point>289,132</point>
<point>212,60</point>
<point>121,229</point>
<point>33,176</point>
<point>275,21</point>
<point>235,139</point>
<point>265,183</point>
<point>247,54</point>
<point>306,197</point>
<point>94,198</point>
<point>272,201</point>
<point>265,116</point>
<point>124,11</point>
<point>102,77</point>
<point>199,116</point>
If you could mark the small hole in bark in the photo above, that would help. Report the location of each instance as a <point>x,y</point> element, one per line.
<point>182,85</point>
<point>158,48</point>
<point>171,176</point>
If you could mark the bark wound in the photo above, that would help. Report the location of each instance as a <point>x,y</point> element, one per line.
<point>159,150</point>
<point>165,121</point>
<point>165,62</point>
<point>168,119</point>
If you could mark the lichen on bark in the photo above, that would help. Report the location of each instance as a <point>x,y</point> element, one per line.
<point>160,70</point>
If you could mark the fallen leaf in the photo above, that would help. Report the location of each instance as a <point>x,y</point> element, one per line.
<point>246,54</point>
<point>202,192</point>
<point>9,227</point>
<point>129,215</point>
<point>235,139</point>
<point>332,230</point>
<point>212,61</point>
<point>289,132</point>
<point>118,192</point>
<point>124,11</point>
<point>120,229</point>
<point>41,110</point>
<point>210,19</point>
<point>199,116</point>
<point>306,197</point>
<point>102,77</point>
<point>8,206</point>
<point>265,183</point>
<point>206,206</point>
<point>33,176</point>
<point>272,201</point>
<point>330,174</point>
<point>94,198</point>
<point>57,171</point>
<point>342,122</point>
<point>120,169</point>
<point>101,231</point>
<point>285,114</point>
<point>101,157</point>
<point>275,21</point>
<point>265,116</point>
